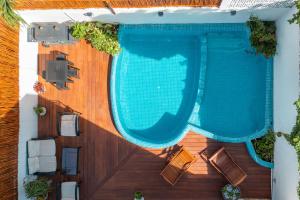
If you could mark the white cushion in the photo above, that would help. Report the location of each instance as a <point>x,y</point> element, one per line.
<point>47,164</point>
<point>68,125</point>
<point>33,165</point>
<point>33,148</point>
<point>41,148</point>
<point>68,191</point>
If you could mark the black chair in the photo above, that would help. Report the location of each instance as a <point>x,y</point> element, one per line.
<point>44,74</point>
<point>73,72</point>
<point>61,86</point>
<point>67,190</point>
<point>61,56</point>
<point>69,81</point>
<point>71,118</point>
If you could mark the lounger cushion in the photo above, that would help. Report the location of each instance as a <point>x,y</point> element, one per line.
<point>33,165</point>
<point>68,125</point>
<point>68,190</point>
<point>42,164</point>
<point>47,164</point>
<point>41,148</point>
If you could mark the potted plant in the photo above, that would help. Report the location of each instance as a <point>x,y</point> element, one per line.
<point>37,189</point>
<point>138,196</point>
<point>229,192</point>
<point>40,110</point>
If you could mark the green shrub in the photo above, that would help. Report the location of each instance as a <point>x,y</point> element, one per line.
<point>296,17</point>
<point>263,36</point>
<point>264,146</point>
<point>138,195</point>
<point>103,37</point>
<point>8,14</point>
<point>294,138</point>
<point>38,188</point>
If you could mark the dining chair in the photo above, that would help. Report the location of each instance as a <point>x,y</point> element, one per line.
<point>61,86</point>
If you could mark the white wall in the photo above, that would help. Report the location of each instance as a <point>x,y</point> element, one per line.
<point>286,92</point>
<point>237,4</point>
<point>149,15</point>
<point>28,99</point>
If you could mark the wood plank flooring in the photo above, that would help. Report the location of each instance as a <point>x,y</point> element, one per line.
<point>110,167</point>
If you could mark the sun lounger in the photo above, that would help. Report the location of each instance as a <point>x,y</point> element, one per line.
<point>224,164</point>
<point>177,166</point>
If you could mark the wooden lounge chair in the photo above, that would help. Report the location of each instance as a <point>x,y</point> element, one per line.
<point>177,166</point>
<point>224,163</point>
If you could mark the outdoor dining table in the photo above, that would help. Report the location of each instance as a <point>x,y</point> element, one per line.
<point>57,71</point>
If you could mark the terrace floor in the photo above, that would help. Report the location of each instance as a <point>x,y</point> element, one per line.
<point>110,167</point>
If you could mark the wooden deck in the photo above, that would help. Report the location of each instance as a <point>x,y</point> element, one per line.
<point>110,167</point>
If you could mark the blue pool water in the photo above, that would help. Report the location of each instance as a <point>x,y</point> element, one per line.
<point>169,79</point>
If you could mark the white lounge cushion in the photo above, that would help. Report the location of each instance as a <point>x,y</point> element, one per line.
<point>68,125</point>
<point>68,191</point>
<point>42,164</point>
<point>47,164</point>
<point>41,148</point>
<point>33,165</point>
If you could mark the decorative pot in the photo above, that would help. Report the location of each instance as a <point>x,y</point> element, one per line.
<point>229,192</point>
<point>43,112</point>
<point>139,199</point>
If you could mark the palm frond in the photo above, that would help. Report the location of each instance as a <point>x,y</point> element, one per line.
<point>8,14</point>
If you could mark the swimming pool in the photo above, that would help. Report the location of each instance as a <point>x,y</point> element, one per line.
<point>169,79</point>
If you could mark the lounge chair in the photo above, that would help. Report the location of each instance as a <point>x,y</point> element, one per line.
<point>61,56</point>
<point>72,72</point>
<point>70,161</point>
<point>61,85</point>
<point>44,74</point>
<point>223,162</point>
<point>68,124</point>
<point>41,157</point>
<point>68,191</point>
<point>177,166</point>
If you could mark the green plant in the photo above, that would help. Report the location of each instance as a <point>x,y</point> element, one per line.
<point>138,195</point>
<point>38,110</point>
<point>296,17</point>
<point>263,36</point>
<point>294,138</point>
<point>264,146</point>
<point>38,188</point>
<point>230,192</point>
<point>8,14</point>
<point>103,37</point>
